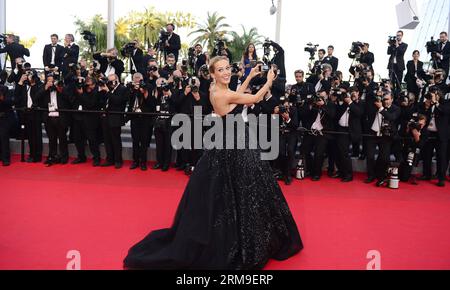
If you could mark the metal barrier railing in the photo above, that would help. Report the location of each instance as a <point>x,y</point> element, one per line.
<point>300,131</point>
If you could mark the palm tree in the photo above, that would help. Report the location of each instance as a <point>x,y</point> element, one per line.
<point>241,41</point>
<point>145,26</point>
<point>210,31</point>
<point>97,25</point>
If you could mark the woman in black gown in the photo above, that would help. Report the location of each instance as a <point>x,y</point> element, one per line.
<point>233,215</point>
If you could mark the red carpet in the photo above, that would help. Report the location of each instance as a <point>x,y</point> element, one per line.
<point>47,212</point>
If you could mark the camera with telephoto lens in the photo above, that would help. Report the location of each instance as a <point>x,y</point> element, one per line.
<point>311,49</point>
<point>433,47</point>
<point>193,85</point>
<point>392,40</point>
<point>129,48</point>
<point>204,70</point>
<point>24,66</point>
<point>163,37</point>
<point>191,56</point>
<point>235,68</point>
<point>338,94</point>
<point>316,99</point>
<point>414,124</point>
<point>152,68</point>
<point>266,46</point>
<point>386,130</point>
<point>170,68</point>
<point>103,81</point>
<point>283,109</point>
<point>219,47</point>
<point>165,86</point>
<point>90,37</point>
<point>265,67</point>
<point>74,67</point>
<point>30,74</point>
<point>135,87</point>
<point>80,83</point>
<point>355,50</point>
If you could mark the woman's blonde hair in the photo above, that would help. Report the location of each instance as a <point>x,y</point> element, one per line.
<point>214,61</point>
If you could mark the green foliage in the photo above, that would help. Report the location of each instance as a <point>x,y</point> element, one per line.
<point>211,30</point>
<point>145,27</point>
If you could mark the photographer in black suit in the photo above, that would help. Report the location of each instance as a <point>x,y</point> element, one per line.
<point>115,98</point>
<point>27,97</point>
<point>365,60</point>
<point>14,50</point>
<point>141,101</point>
<point>383,117</point>
<point>319,116</point>
<point>443,55</point>
<point>437,111</point>
<point>279,59</point>
<point>109,63</point>
<point>21,68</point>
<point>189,97</point>
<point>165,96</point>
<point>316,69</point>
<point>53,55</point>
<point>86,126</point>
<point>302,90</point>
<point>52,96</point>
<point>397,49</point>
<point>132,51</point>
<point>200,58</point>
<point>367,57</point>
<point>170,67</point>
<point>172,44</point>
<point>414,72</point>
<point>71,53</point>
<point>349,112</point>
<point>288,137</point>
<point>416,137</point>
<point>325,79</point>
<point>6,124</point>
<point>332,60</point>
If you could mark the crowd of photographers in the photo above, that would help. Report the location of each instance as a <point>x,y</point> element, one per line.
<point>321,115</point>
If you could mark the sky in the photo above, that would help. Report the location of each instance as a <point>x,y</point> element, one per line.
<point>324,22</point>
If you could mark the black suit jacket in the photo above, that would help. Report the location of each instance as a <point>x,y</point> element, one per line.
<point>445,52</point>
<point>412,70</point>
<point>327,115</point>
<point>63,103</point>
<point>146,105</point>
<point>14,51</point>
<point>21,96</point>
<point>59,55</point>
<point>138,60</point>
<point>354,120</point>
<point>71,55</point>
<point>442,118</point>
<point>174,46</point>
<point>117,64</point>
<point>399,54</point>
<point>292,126</point>
<point>367,58</point>
<point>88,102</point>
<point>391,116</point>
<point>279,60</point>
<point>115,102</point>
<point>410,77</point>
<point>333,61</point>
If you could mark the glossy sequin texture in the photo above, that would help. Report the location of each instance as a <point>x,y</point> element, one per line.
<point>232,215</point>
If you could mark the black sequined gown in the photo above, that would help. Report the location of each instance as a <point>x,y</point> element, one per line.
<point>232,216</point>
